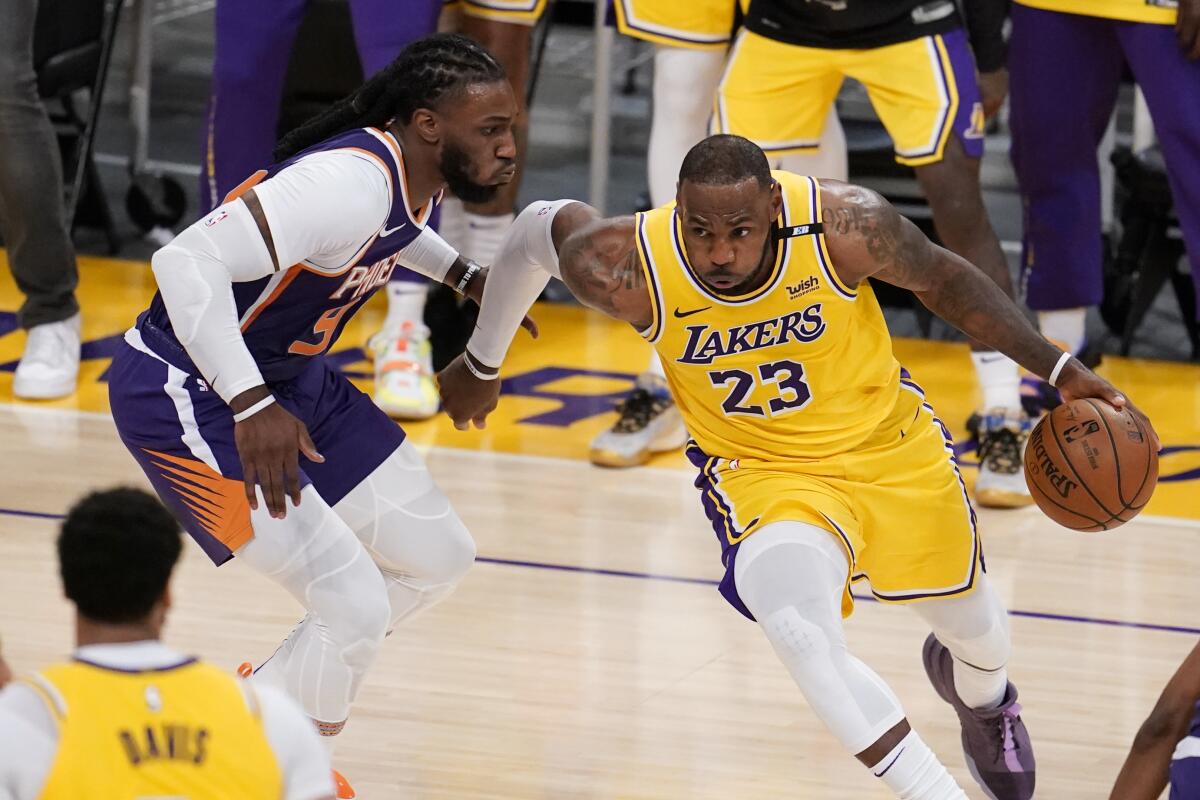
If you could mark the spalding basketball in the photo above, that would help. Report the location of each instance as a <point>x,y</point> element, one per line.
<point>1089,466</point>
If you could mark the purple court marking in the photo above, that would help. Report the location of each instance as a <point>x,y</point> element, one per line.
<point>13,512</point>
<point>651,576</point>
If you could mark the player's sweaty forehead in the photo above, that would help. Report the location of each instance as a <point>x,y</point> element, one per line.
<point>725,204</point>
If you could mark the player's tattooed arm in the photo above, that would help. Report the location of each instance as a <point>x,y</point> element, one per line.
<point>599,264</point>
<point>868,237</point>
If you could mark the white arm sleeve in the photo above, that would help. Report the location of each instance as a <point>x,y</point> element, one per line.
<point>322,210</point>
<point>430,255</point>
<point>302,758</point>
<point>526,262</point>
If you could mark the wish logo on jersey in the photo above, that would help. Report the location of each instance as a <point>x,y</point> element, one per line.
<point>706,344</point>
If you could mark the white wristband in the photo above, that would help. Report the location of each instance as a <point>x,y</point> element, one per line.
<point>469,360</point>
<point>1062,362</point>
<point>247,413</point>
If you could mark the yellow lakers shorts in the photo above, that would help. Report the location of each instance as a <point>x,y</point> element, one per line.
<point>699,24</point>
<point>896,504</point>
<point>516,12</point>
<point>924,91</point>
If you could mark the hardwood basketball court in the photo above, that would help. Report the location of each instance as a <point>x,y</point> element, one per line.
<point>588,654</point>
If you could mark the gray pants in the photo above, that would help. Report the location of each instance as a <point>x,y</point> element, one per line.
<point>31,182</point>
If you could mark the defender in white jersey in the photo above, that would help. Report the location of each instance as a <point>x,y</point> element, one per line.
<point>222,384</point>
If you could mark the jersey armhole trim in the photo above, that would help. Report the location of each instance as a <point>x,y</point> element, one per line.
<point>653,332</point>
<point>49,696</point>
<point>822,249</point>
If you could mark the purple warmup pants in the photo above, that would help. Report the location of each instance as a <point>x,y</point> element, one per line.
<point>253,44</point>
<point>1065,70</point>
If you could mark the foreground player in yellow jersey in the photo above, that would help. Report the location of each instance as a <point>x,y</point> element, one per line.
<point>128,717</point>
<point>820,461</point>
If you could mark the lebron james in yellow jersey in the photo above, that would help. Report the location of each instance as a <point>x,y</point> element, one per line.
<point>127,718</point>
<point>819,459</point>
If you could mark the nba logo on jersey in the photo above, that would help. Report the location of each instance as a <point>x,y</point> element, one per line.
<point>215,217</point>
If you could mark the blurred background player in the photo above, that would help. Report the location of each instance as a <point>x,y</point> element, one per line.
<point>505,28</point>
<point>253,42</point>
<point>1067,60</point>
<point>128,716</point>
<point>785,69</point>
<point>1167,746</point>
<point>32,218</point>
<point>691,40</point>
<point>221,385</point>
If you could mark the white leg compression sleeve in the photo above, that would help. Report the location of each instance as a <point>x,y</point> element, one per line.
<point>315,556</point>
<point>402,518</point>
<point>830,160</point>
<point>791,576</point>
<point>974,628</point>
<point>685,82</point>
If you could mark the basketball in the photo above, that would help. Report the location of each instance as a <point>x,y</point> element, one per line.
<point>1089,466</point>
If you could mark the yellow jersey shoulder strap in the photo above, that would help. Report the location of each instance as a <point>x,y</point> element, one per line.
<point>802,198</point>
<point>46,691</point>
<point>649,230</point>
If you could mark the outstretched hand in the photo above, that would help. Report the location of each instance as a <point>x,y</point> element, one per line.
<point>1078,382</point>
<point>269,444</point>
<point>466,399</point>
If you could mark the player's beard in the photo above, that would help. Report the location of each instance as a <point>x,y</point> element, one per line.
<point>455,166</point>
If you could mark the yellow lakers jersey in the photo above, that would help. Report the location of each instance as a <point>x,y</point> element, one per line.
<point>1162,12</point>
<point>800,368</point>
<point>183,732</point>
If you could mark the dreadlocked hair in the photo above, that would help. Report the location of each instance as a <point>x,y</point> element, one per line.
<point>423,74</point>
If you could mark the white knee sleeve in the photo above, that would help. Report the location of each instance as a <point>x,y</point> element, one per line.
<point>316,557</point>
<point>419,543</point>
<point>974,627</point>
<point>791,576</point>
<point>685,82</point>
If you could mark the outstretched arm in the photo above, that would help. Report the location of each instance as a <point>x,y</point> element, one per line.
<point>594,257</point>
<point>1144,774</point>
<point>868,237</point>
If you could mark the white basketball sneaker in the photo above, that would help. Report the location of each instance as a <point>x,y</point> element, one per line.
<point>49,367</point>
<point>404,386</point>
<point>1002,436</point>
<point>648,423</point>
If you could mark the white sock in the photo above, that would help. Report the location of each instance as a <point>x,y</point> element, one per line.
<point>1066,328</point>
<point>999,380</point>
<point>452,224</point>
<point>406,303</point>
<point>329,741</point>
<point>979,688</point>
<point>484,235</point>
<point>912,772</point>
<point>655,366</point>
